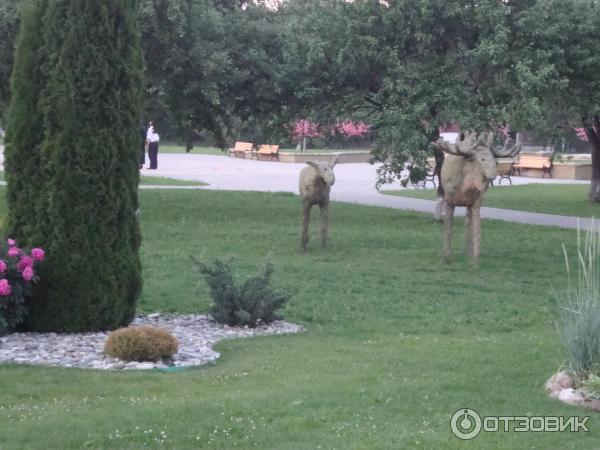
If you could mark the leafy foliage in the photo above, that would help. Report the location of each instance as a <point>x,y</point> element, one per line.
<point>252,303</point>
<point>141,343</point>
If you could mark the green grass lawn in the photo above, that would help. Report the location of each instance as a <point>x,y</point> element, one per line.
<point>561,199</point>
<point>162,181</point>
<point>156,181</point>
<point>395,340</point>
<point>174,148</point>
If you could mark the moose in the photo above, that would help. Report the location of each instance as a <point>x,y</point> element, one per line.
<point>466,174</point>
<point>314,185</point>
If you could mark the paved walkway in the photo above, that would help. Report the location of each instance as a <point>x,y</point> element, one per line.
<point>354,184</point>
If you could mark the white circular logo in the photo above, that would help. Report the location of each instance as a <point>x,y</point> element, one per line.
<point>465,423</point>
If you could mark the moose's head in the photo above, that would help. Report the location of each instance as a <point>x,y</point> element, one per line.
<point>480,148</point>
<point>324,170</point>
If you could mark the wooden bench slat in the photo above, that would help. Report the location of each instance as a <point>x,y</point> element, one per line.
<point>535,162</point>
<point>241,148</point>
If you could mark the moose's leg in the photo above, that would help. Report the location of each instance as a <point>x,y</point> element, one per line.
<point>448,232</point>
<point>476,225</point>
<point>305,223</point>
<point>324,223</point>
<point>469,231</point>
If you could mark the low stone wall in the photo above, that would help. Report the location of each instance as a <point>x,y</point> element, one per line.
<point>569,167</point>
<point>344,157</point>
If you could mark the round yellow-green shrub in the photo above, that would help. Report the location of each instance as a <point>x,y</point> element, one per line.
<point>141,343</point>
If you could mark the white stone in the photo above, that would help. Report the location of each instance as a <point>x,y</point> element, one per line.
<point>570,397</point>
<point>196,335</point>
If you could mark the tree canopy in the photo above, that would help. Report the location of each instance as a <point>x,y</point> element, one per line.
<point>407,67</point>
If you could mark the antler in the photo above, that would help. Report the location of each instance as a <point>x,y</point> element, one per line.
<point>510,149</point>
<point>466,147</point>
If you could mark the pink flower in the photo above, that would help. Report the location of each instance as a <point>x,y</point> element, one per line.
<point>27,273</point>
<point>305,128</point>
<point>26,261</point>
<point>3,266</point>
<point>11,242</point>
<point>4,288</point>
<point>582,135</point>
<point>14,251</point>
<point>350,129</point>
<point>38,254</point>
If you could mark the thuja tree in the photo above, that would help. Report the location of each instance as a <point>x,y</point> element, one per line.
<point>89,103</point>
<point>22,155</point>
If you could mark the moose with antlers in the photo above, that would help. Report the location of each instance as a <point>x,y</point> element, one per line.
<point>466,174</point>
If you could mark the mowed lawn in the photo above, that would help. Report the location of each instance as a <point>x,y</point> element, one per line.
<point>560,199</point>
<point>395,341</point>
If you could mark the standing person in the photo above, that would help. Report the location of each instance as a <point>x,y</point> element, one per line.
<point>153,139</point>
<point>149,131</point>
<point>143,143</point>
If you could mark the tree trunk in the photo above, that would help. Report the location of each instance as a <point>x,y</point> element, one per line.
<point>593,135</point>
<point>440,208</point>
<point>595,185</point>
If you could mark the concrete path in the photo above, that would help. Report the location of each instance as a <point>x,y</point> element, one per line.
<point>354,184</point>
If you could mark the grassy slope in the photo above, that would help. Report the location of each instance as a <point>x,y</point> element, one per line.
<point>561,199</point>
<point>395,341</point>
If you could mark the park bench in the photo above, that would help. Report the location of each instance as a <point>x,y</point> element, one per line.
<point>538,162</point>
<point>240,149</point>
<point>267,151</point>
<point>504,170</point>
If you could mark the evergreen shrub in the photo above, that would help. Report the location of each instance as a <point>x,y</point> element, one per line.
<point>141,343</point>
<point>252,303</point>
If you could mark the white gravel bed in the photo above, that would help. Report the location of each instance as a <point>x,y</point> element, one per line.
<point>196,335</point>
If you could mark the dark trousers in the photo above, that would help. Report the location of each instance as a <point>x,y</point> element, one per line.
<point>142,154</point>
<point>153,154</point>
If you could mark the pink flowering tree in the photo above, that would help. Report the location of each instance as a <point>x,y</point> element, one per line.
<point>350,129</point>
<point>303,129</point>
<point>17,273</point>
<point>583,135</point>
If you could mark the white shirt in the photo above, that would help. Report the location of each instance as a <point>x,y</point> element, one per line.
<point>153,137</point>
<point>149,132</point>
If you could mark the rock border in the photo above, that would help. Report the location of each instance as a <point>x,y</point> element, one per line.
<point>197,334</point>
<point>560,386</point>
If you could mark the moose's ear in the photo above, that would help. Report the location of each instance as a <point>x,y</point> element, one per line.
<point>312,164</point>
<point>334,161</point>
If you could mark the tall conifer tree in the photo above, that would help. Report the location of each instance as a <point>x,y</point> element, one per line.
<point>89,103</point>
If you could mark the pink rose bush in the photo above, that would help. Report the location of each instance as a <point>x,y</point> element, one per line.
<point>17,273</point>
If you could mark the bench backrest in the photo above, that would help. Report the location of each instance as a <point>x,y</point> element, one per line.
<point>268,149</point>
<point>243,146</point>
<point>504,167</point>
<point>534,161</point>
